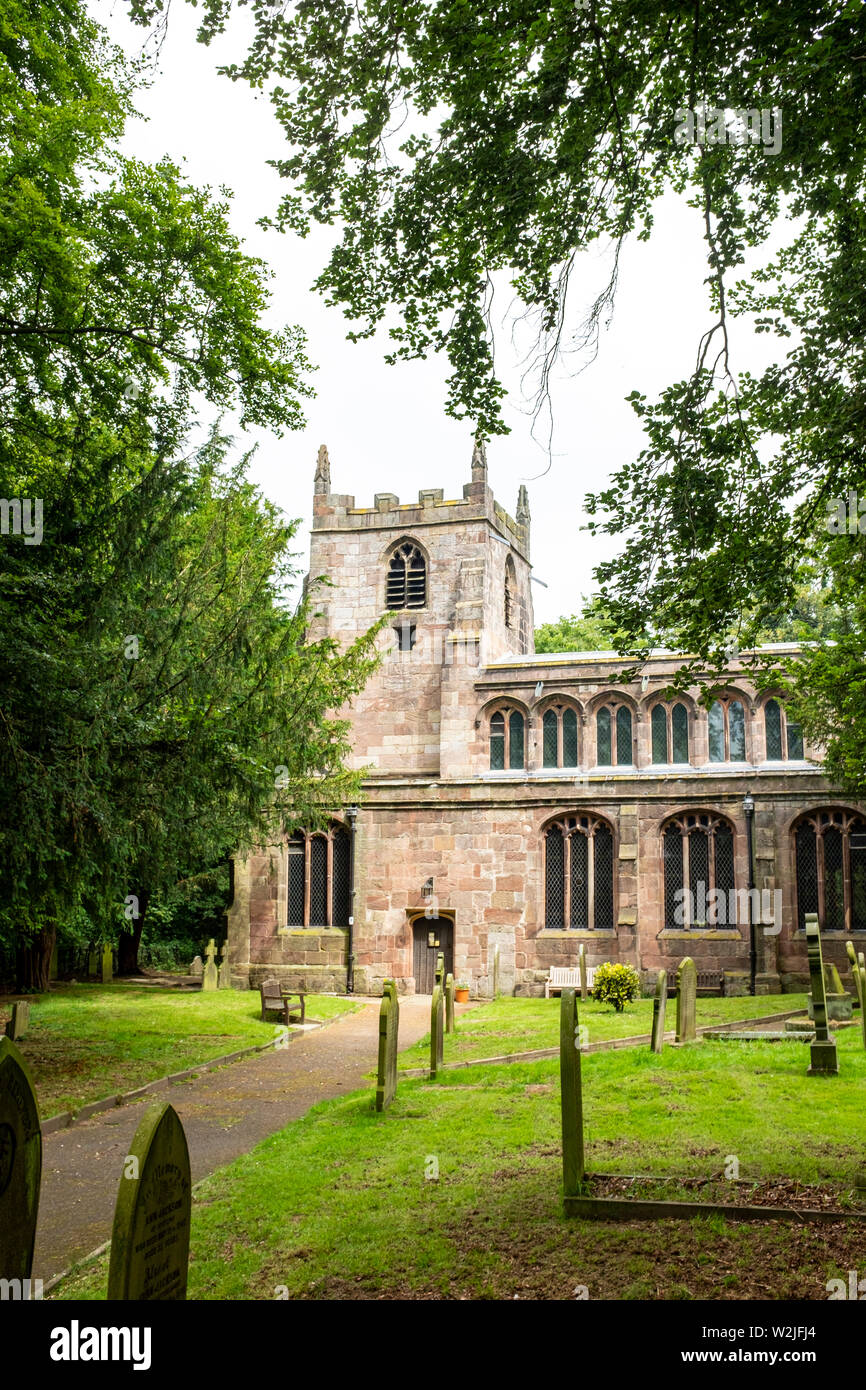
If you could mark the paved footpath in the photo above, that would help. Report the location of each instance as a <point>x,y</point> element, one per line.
<point>225,1113</point>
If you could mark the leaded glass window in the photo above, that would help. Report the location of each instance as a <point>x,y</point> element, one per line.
<point>698,852</point>
<point>680,734</point>
<point>659,721</point>
<point>579,873</point>
<point>830,855</point>
<point>507,740</point>
<point>602,733</point>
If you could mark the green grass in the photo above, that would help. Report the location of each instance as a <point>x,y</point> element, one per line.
<point>341,1204</point>
<point>87,1042</point>
<point>506,1025</point>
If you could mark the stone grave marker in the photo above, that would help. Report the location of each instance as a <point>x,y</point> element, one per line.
<point>687,993</point>
<point>196,967</point>
<point>93,963</point>
<point>581,961</point>
<point>20,1164</point>
<point>832,979</point>
<point>150,1237</point>
<point>20,1020</point>
<point>823,1049</point>
<point>107,964</point>
<point>210,979</point>
<point>389,1023</point>
<point>449,1003</point>
<point>225,974</point>
<point>660,1003</point>
<point>855,970</point>
<point>437,1029</point>
<point>571,1096</point>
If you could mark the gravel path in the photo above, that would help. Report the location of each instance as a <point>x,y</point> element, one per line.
<point>225,1113</point>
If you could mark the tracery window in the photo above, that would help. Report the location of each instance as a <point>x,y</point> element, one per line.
<point>578,873</point>
<point>698,853</point>
<point>318,890</point>
<point>727,730</point>
<point>614,740</point>
<point>830,854</point>
<point>670,734</point>
<point>407,578</point>
<point>784,738</point>
<point>507,740</point>
<point>559,736</point>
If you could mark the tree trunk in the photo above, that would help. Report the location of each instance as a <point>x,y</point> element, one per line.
<point>33,961</point>
<point>129,941</point>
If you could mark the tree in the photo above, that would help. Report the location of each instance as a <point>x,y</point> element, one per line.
<point>153,675</point>
<point>589,633</point>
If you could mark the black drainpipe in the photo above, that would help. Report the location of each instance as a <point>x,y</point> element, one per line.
<point>352,815</point>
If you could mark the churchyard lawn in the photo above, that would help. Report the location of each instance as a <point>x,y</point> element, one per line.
<point>87,1042</point>
<point>455,1191</point>
<point>507,1025</point>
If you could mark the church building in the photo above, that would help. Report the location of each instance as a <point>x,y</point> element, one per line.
<point>518,804</point>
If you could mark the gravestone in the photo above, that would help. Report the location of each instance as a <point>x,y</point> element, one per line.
<point>107,965</point>
<point>20,1164</point>
<point>660,1003</point>
<point>150,1237</point>
<point>571,1096</point>
<point>449,1003</point>
<point>196,967</point>
<point>225,974</point>
<point>687,992</point>
<point>389,1023</point>
<point>210,978</point>
<point>93,963</point>
<point>437,1029</point>
<point>855,970</point>
<point>581,961</point>
<point>823,1050</point>
<point>832,980</point>
<point>862,982</point>
<point>20,1020</point>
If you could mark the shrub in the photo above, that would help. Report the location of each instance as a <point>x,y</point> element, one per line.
<point>615,984</point>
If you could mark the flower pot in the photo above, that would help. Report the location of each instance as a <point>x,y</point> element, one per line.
<point>461,996</point>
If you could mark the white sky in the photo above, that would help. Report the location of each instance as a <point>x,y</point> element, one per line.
<point>385,427</point>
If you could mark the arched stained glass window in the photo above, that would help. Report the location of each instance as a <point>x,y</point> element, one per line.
<point>784,738</point>
<point>659,721</point>
<point>680,734</point>
<point>624,753</point>
<point>559,736</point>
<point>727,731</point>
<point>602,736</point>
<point>507,740</point>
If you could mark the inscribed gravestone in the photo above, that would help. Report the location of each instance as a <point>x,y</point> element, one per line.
<point>20,1020</point>
<point>823,1049</point>
<point>150,1236</point>
<point>210,979</point>
<point>437,1042</point>
<point>225,976</point>
<point>571,1096</point>
<point>20,1164</point>
<point>389,1023</point>
<point>107,965</point>
<point>659,1007</point>
<point>687,991</point>
<point>449,1003</point>
<point>196,967</point>
<point>581,960</point>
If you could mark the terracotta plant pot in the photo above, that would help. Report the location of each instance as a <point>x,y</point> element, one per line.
<point>461,996</point>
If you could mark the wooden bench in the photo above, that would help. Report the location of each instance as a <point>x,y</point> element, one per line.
<point>710,982</point>
<point>561,978</point>
<point>277,1000</point>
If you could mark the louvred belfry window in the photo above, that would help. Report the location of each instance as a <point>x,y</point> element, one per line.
<point>318,889</point>
<point>830,854</point>
<point>578,873</point>
<point>407,578</point>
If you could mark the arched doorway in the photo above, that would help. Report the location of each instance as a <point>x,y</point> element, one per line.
<point>430,935</point>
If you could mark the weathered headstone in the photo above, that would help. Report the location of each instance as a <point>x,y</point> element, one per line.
<point>196,967</point>
<point>94,961</point>
<point>107,964</point>
<point>855,970</point>
<point>687,993</point>
<point>823,1050</point>
<point>389,1023</point>
<point>581,961</point>
<point>20,1164</point>
<point>832,979</point>
<point>449,1003</point>
<point>225,973</point>
<point>660,1003</point>
<point>571,1096</point>
<point>437,1029</point>
<point>20,1020</point>
<point>210,979</point>
<point>150,1237</point>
